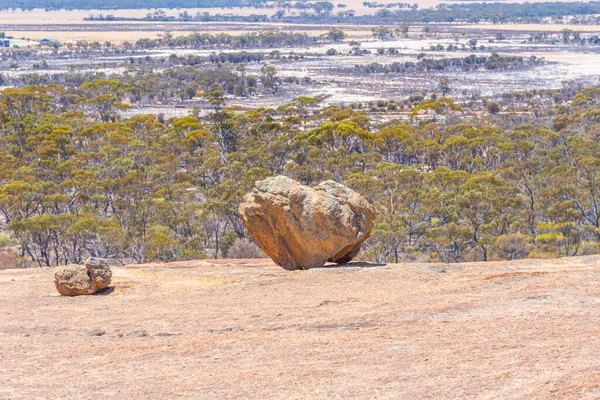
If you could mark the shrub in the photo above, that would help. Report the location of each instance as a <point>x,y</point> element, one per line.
<point>227,241</point>
<point>6,242</point>
<point>513,247</point>
<point>493,108</point>
<point>244,248</point>
<point>9,259</point>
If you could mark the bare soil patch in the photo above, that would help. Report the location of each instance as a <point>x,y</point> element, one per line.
<point>248,329</point>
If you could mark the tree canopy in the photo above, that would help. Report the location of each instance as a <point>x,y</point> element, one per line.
<point>78,179</point>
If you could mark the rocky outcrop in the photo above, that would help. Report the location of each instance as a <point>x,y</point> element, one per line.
<point>76,280</point>
<point>301,227</point>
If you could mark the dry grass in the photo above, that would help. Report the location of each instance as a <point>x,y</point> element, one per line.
<point>531,27</point>
<point>132,36</point>
<point>9,259</point>
<point>40,16</point>
<point>112,36</point>
<point>244,248</point>
<point>38,24</point>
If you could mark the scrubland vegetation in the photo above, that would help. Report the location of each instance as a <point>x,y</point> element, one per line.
<point>463,141</point>
<point>325,11</point>
<point>250,40</point>
<point>470,63</point>
<point>113,4</point>
<point>79,180</point>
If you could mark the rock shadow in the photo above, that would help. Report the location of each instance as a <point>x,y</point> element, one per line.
<point>355,264</point>
<point>105,292</point>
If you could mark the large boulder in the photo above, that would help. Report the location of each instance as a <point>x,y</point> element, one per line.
<point>301,227</point>
<point>75,280</point>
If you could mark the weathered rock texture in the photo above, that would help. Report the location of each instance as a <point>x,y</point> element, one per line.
<point>75,280</point>
<point>301,227</point>
<point>526,329</point>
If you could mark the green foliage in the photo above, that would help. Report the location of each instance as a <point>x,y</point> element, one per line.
<point>336,35</point>
<point>493,108</point>
<point>441,106</point>
<point>228,240</point>
<point>76,179</point>
<point>6,242</point>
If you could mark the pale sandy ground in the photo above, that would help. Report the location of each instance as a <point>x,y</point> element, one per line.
<point>74,36</point>
<point>69,25</point>
<point>39,15</point>
<point>248,329</point>
<point>141,30</point>
<point>530,27</point>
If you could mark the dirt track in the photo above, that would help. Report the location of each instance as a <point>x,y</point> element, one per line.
<point>247,329</point>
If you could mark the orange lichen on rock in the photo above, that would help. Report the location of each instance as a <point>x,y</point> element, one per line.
<point>76,280</point>
<point>301,227</point>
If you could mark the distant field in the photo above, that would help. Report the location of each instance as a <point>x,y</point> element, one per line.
<point>532,27</point>
<point>39,16</point>
<point>112,36</point>
<point>117,36</point>
<point>70,25</point>
<point>131,36</point>
<point>140,31</point>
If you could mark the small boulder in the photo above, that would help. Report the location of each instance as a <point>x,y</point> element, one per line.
<point>75,280</point>
<point>301,227</point>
